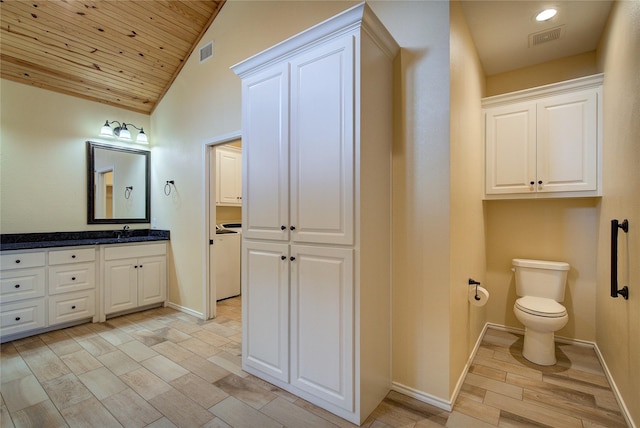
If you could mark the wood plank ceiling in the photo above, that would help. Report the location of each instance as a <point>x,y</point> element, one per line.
<point>125,53</point>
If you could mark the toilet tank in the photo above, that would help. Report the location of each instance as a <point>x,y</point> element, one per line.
<point>540,278</point>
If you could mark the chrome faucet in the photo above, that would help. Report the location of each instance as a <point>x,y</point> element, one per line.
<point>124,232</point>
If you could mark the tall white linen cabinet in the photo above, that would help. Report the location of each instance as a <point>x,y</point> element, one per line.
<point>316,217</point>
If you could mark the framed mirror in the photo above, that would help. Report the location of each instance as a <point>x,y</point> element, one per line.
<point>118,184</point>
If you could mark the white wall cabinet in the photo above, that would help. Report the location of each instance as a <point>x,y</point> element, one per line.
<point>228,176</point>
<point>135,275</point>
<point>544,142</point>
<point>317,130</point>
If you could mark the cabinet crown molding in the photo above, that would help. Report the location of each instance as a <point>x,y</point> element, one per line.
<point>592,81</point>
<point>359,16</point>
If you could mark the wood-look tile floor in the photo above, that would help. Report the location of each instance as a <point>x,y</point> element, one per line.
<point>164,368</point>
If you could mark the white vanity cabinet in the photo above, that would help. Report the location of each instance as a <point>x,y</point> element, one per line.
<point>228,176</point>
<point>317,130</point>
<point>72,284</point>
<point>135,275</point>
<point>42,289</point>
<point>544,142</point>
<point>22,292</point>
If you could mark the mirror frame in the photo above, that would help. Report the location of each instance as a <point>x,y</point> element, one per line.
<point>91,147</point>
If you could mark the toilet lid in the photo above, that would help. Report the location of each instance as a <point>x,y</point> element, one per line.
<point>541,306</point>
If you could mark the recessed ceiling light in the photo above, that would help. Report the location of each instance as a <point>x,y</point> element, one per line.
<point>546,15</point>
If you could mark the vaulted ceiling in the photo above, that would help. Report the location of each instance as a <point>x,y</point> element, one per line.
<point>127,53</point>
<point>124,53</point>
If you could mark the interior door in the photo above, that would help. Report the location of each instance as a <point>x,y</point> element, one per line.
<point>322,144</point>
<point>322,323</point>
<point>265,308</point>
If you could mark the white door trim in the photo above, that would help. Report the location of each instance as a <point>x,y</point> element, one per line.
<point>210,310</point>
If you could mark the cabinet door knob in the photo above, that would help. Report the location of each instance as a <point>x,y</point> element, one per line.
<point>292,228</point>
<point>17,260</point>
<point>17,318</point>
<point>73,307</point>
<point>532,183</point>
<point>17,286</point>
<point>73,256</point>
<point>283,227</point>
<point>73,278</point>
<point>283,257</point>
<point>539,181</point>
<point>292,258</point>
<point>135,267</point>
<point>140,266</point>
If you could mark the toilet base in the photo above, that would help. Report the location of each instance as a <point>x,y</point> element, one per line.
<point>539,347</point>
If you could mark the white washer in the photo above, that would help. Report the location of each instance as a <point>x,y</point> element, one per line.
<point>236,226</point>
<point>227,264</point>
<point>228,259</point>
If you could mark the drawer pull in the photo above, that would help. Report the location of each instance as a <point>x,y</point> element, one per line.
<point>17,286</point>
<point>73,256</point>
<point>73,307</point>
<point>17,260</point>
<point>17,318</point>
<point>73,278</point>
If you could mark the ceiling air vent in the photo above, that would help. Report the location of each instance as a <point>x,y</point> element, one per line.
<point>206,52</point>
<point>546,36</point>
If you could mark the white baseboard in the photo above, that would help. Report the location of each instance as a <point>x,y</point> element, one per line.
<point>186,310</point>
<point>422,396</point>
<point>614,388</point>
<point>463,375</point>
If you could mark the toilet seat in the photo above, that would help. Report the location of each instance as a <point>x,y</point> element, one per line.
<point>541,307</point>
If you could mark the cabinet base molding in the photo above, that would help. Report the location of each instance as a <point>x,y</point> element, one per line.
<point>34,332</point>
<point>138,309</point>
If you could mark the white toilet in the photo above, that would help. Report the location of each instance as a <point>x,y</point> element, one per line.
<point>541,285</point>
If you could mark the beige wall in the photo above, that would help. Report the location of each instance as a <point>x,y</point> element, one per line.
<point>467,217</point>
<point>543,74</point>
<point>618,321</point>
<point>43,166</point>
<point>552,229</point>
<point>421,277</point>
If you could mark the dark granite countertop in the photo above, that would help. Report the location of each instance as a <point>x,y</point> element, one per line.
<point>28,241</point>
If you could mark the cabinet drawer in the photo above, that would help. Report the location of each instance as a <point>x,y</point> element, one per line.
<point>21,260</point>
<point>22,316</point>
<point>134,251</point>
<point>76,277</point>
<point>77,255</point>
<point>72,306</point>
<point>21,284</point>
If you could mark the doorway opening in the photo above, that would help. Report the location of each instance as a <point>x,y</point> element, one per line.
<point>223,163</point>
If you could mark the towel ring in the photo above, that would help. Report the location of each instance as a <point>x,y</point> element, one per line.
<point>127,192</point>
<point>167,187</point>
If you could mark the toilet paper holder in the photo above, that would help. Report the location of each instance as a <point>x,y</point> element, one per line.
<point>476,283</point>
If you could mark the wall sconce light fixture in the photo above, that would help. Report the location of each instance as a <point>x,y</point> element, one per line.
<point>122,132</point>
